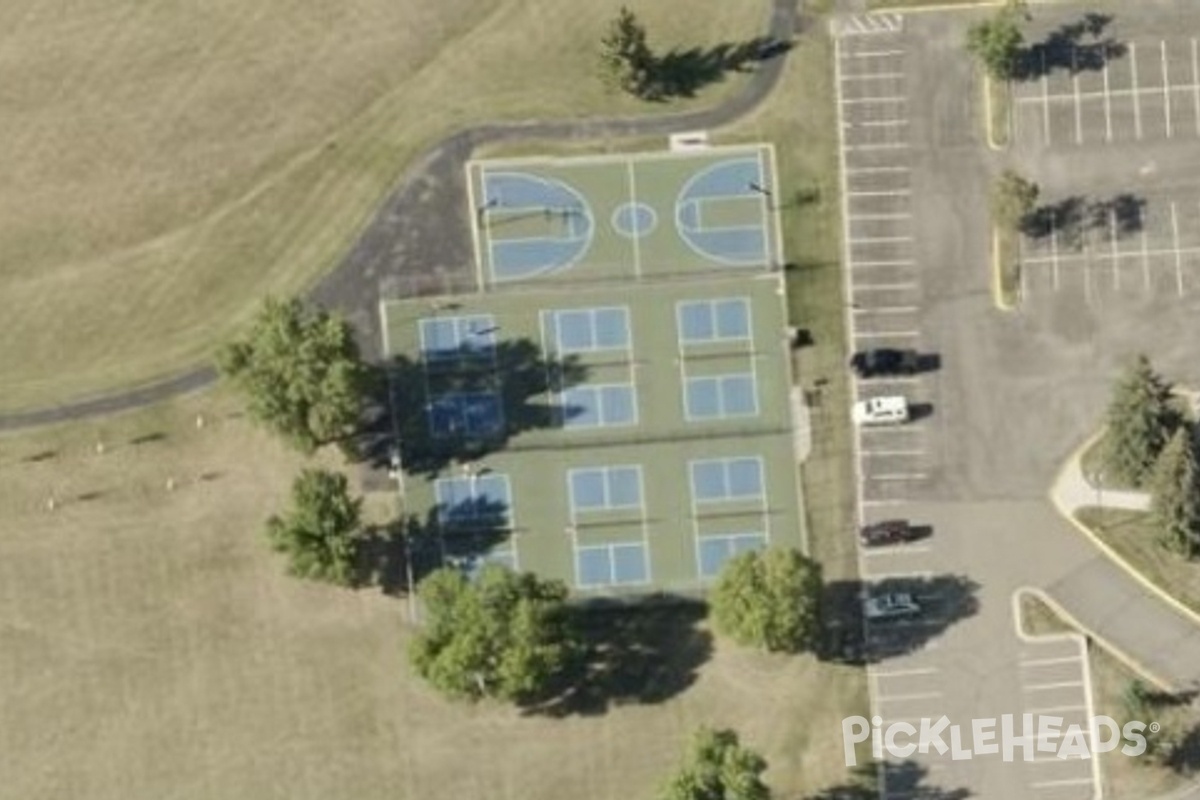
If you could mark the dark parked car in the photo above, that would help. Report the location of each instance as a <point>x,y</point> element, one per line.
<point>872,363</point>
<point>892,531</point>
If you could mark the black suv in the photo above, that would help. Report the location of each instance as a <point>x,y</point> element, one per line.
<point>872,363</point>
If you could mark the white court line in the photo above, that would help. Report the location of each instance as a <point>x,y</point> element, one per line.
<point>1178,255</point>
<point>904,698</point>
<point>1107,103</point>
<point>897,215</point>
<point>901,673</point>
<point>1196,83</point>
<point>1046,687</point>
<point>1045,662</point>
<point>888,310</point>
<point>1137,105</point>
<point>1055,709</point>
<point>637,256</point>
<point>880,193</point>
<point>1166,89</point>
<point>886,334</point>
<point>883,287</point>
<point>1116,250</point>
<point>1045,97</point>
<point>870,170</point>
<point>878,76</point>
<point>1078,104</point>
<point>1064,782</point>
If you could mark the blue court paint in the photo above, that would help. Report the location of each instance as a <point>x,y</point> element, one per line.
<point>634,220</point>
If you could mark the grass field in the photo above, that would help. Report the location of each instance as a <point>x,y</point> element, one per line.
<point>168,165</point>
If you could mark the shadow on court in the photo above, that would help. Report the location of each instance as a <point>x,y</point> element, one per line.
<point>640,653</point>
<point>500,399</point>
<point>682,73</point>
<point>904,779</point>
<point>1074,47</point>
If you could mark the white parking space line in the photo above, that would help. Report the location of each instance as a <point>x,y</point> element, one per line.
<point>883,287</point>
<point>899,476</point>
<point>907,698</point>
<point>1078,103</point>
<point>880,239</point>
<point>1107,103</point>
<point>879,193</point>
<point>1064,782</point>
<point>882,146</point>
<point>886,453</point>
<point>1046,662</point>
<point>1055,709</point>
<point>1141,223</point>
<point>1045,97</point>
<point>874,53</point>
<point>888,381</point>
<point>878,123</point>
<point>903,673</point>
<point>1045,687</point>
<point>1137,105</point>
<point>887,502</point>
<point>853,101</point>
<point>876,170</point>
<point>888,310</point>
<point>886,334</point>
<point>1114,248</point>
<point>1166,89</point>
<point>1178,254</point>
<point>896,262</point>
<point>896,215</point>
<point>898,550</point>
<point>1054,247</point>
<point>1196,83</point>
<point>877,76</point>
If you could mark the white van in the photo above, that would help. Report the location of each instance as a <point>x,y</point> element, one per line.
<point>881,411</point>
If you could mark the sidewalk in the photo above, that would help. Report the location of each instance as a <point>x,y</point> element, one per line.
<point>1072,491</point>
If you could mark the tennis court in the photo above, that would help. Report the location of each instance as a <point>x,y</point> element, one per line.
<point>627,216</point>
<point>621,441</point>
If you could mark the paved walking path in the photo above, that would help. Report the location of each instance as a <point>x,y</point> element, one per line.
<point>418,240</point>
<point>1073,491</point>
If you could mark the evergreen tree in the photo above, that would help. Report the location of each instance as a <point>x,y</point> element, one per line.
<point>626,60</point>
<point>1175,494</point>
<point>1140,420</point>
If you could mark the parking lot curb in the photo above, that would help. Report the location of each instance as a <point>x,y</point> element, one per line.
<point>997,282</point>
<point>1112,555</point>
<point>987,116</point>
<point>1081,632</point>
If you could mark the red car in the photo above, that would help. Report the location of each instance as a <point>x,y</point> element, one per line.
<point>892,531</point>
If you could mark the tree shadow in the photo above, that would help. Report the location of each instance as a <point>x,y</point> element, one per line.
<point>1071,218</point>
<point>944,599</point>
<point>641,653</point>
<point>1075,47</point>
<point>906,779</point>
<point>682,73</point>
<point>405,406</point>
<point>1184,756</point>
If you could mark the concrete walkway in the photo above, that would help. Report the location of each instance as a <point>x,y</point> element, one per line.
<point>1073,491</point>
<point>419,239</point>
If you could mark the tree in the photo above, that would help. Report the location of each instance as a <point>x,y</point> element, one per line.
<point>626,60</point>
<point>1141,420</point>
<point>320,532</point>
<point>1013,199</point>
<point>718,768</point>
<point>996,42</point>
<point>1175,493</point>
<point>502,634</point>
<point>769,599</point>
<point>301,372</point>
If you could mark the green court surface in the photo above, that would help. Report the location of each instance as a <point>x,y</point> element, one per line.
<point>623,441</point>
<point>592,219</point>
